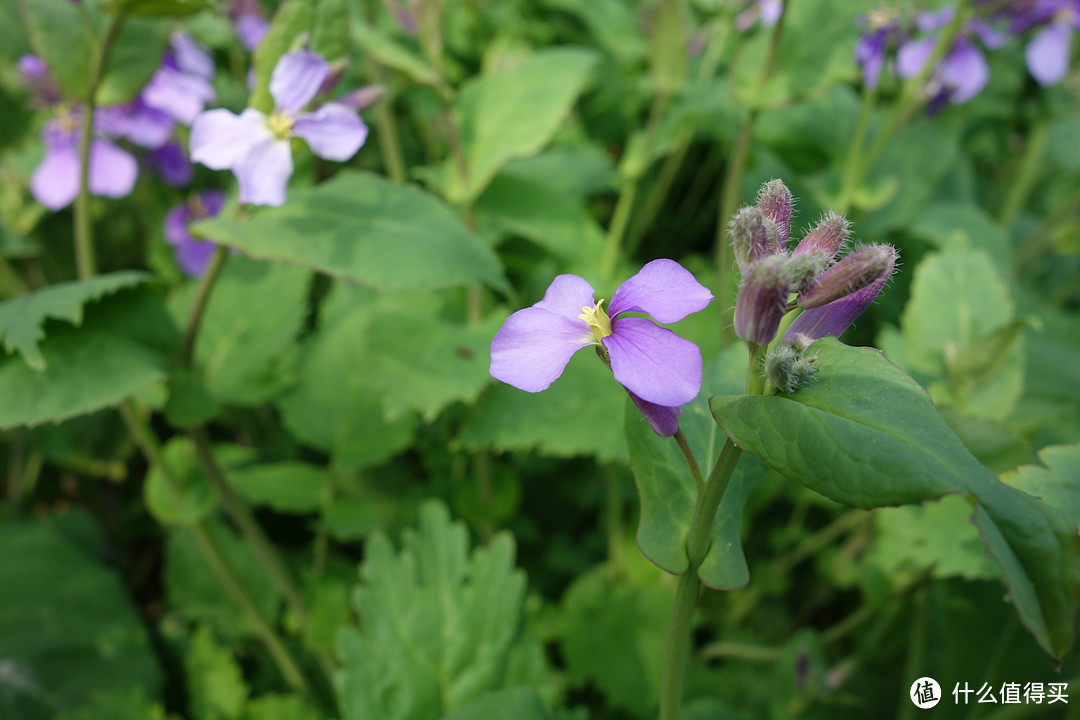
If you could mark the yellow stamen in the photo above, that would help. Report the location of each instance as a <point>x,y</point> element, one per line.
<point>280,124</point>
<point>597,320</point>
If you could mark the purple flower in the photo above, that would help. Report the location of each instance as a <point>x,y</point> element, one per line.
<point>181,87</point>
<point>171,163</point>
<point>960,76</point>
<point>1048,52</point>
<point>883,31</point>
<point>35,75</point>
<point>55,182</point>
<point>256,146</point>
<point>192,255</point>
<point>835,317</point>
<point>768,11</point>
<point>660,370</point>
<point>248,21</point>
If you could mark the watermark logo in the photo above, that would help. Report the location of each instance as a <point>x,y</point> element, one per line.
<point>925,693</point>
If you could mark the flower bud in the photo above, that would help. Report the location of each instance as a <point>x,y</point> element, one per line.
<point>787,369</point>
<point>804,269</point>
<point>664,421</point>
<point>762,300</point>
<point>750,237</point>
<point>774,201</point>
<point>363,98</point>
<point>828,237</point>
<point>853,273</point>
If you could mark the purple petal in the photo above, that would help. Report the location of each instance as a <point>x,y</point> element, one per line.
<point>834,318</point>
<point>913,55</point>
<point>532,348</point>
<point>935,20</point>
<point>566,296</point>
<point>654,363</point>
<point>191,56</point>
<point>1048,53</point>
<point>663,420</point>
<point>333,132</point>
<point>870,53</point>
<point>964,70</point>
<point>264,173</point>
<point>251,29</point>
<point>145,126</point>
<point>770,11</point>
<point>55,182</point>
<point>220,139</point>
<point>194,256</point>
<point>663,289</point>
<point>180,96</point>
<point>172,164</point>
<point>296,79</point>
<point>176,232</point>
<point>112,171</point>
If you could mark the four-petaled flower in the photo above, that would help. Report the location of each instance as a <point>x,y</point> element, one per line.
<point>255,146</point>
<point>659,369</point>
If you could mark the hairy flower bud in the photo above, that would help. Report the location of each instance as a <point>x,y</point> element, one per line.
<point>853,273</point>
<point>787,369</point>
<point>828,237</point>
<point>762,300</point>
<point>774,201</point>
<point>804,269</point>
<point>751,237</point>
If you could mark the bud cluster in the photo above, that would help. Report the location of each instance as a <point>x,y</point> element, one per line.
<point>770,274</point>
<point>788,369</point>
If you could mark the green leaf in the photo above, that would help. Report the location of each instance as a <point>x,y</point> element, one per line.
<point>514,113</point>
<point>667,491</point>
<point>334,405</point>
<point>280,707</point>
<point>196,594</point>
<point>1058,484</point>
<point>215,683</point>
<point>364,228</point>
<point>248,329</point>
<point>85,371</point>
<point>293,487</point>
<point>67,626</point>
<point>171,8</point>
<point>612,23</point>
<point>330,29</point>
<point>63,40</point>
<point>578,415</point>
<point>613,636</point>
<point>941,223</point>
<point>117,704</point>
<point>390,53</point>
<point>133,59</point>
<point>865,434</point>
<point>189,404</point>
<point>22,319</point>
<point>191,499</point>
<point>519,703</point>
<point>439,622</point>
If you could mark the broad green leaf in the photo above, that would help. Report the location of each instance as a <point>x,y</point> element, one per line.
<point>865,434</point>
<point>248,330</point>
<point>387,51</point>
<point>1058,484</point>
<point>85,371</point>
<point>334,405</point>
<point>940,223</point>
<point>613,636</point>
<point>172,8</point>
<point>196,594</point>
<point>293,487</point>
<point>421,362</point>
<point>330,29</point>
<point>118,704</point>
<point>215,683</point>
<point>275,706</point>
<point>519,703</point>
<point>67,626</point>
<point>578,415</point>
<point>514,113</point>
<point>364,228</point>
<point>189,497</point>
<point>612,23</point>
<point>133,59</point>
<point>667,491</point>
<point>555,221</point>
<point>438,626</point>
<point>22,319</point>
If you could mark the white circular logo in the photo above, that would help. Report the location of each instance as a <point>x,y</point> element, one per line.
<point>925,693</point>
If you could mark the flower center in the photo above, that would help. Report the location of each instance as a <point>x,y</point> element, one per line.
<point>597,320</point>
<point>280,124</point>
<point>197,209</point>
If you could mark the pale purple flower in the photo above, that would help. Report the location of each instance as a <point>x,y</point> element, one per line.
<point>1048,52</point>
<point>248,21</point>
<point>960,76</point>
<point>171,163</point>
<point>255,146</point>
<point>659,369</point>
<point>181,87</point>
<point>192,255</point>
<point>884,31</point>
<point>55,182</point>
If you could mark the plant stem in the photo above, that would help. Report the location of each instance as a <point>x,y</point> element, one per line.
<point>1024,176</point>
<point>686,593</point>
<point>691,461</point>
<point>148,445</point>
<point>729,193</point>
<point>198,305</point>
<point>850,179</point>
<point>84,241</point>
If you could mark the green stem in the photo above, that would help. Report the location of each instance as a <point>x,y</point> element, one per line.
<point>1023,177</point>
<point>617,227</point>
<point>614,520</point>
<point>686,593</point>
<point>911,96</point>
<point>691,461</point>
<point>850,179</point>
<point>915,662</point>
<point>85,263</point>
<point>148,445</point>
<point>198,305</point>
